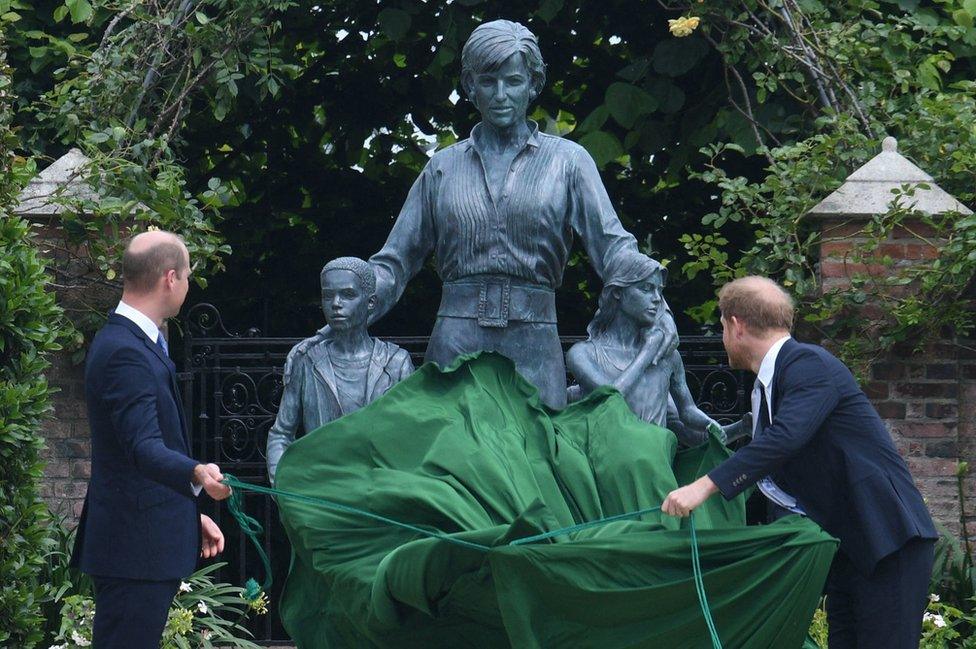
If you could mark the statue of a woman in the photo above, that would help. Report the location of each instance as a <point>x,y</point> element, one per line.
<point>498,211</point>
<point>622,342</point>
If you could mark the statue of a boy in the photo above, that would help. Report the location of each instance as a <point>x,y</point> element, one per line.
<point>343,372</point>
<point>622,343</point>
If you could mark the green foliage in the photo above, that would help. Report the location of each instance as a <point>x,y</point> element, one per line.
<point>203,615</point>
<point>866,75</point>
<point>64,581</point>
<point>29,331</point>
<point>122,92</point>
<point>818,626</point>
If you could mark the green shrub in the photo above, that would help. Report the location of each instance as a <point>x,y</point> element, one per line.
<point>28,331</point>
<point>29,326</point>
<point>203,615</point>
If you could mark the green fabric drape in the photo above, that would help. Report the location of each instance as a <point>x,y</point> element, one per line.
<point>472,452</point>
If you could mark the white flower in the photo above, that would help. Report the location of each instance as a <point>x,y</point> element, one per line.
<point>58,646</point>
<point>80,640</point>
<point>184,587</point>
<point>202,607</point>
<point>205,633</point>
<point>934,618</point>
<point>933,597</point>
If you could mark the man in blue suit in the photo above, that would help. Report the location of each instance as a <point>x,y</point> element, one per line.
<point>140,531</point>
<point>820,450</point>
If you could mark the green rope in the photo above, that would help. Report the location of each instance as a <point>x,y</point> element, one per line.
<point>252,529</point>
<point>584,526</point>
<point>238,514</point>
<point>700,585</point>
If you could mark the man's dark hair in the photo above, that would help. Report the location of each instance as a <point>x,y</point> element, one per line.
<point>141,270</point>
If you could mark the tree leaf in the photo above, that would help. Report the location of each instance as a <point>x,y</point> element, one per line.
<point>963,18</point>
<point>80,10</point>
<point>626,102</point>
<point>637,70</point>
<point>395,23</point>
<point>603,146</point>
<point>548,9</point>
<point>595,120</point>
<point>670,98</point>
<point>675,56</point>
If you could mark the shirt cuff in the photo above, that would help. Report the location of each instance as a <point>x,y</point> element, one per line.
<point>197,488</point>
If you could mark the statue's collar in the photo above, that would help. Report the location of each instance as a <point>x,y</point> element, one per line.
<point>475,139</point>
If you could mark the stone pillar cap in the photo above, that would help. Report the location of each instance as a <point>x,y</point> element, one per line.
<point>868,190</point>
<point>61,179</point>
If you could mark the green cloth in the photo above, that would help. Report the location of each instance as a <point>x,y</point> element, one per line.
<point>472,452</point>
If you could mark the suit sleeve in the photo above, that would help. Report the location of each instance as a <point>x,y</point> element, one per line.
<point>131,397</point>
<point>808,396</point>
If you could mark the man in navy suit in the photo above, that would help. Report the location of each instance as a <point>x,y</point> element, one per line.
<point>140,531</point>
<point>820,450</point>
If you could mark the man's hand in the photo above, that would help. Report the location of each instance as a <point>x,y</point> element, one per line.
<point>209,476</point>
<point>681,501</point>
<point>211,538</point>
<point>665,324</point>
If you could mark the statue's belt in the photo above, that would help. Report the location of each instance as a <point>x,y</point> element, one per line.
<point>496,300</point>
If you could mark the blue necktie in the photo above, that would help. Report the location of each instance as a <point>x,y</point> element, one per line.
<point>162,344</point>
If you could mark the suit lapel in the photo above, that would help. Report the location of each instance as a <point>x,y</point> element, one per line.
<point>784,352</point>
<point>165,360</point>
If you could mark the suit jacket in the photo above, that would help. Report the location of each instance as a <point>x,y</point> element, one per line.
<point>827,447</point>
<point>311,397</point>
<point>140,519</point>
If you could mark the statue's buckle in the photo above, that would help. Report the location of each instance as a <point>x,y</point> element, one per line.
<point>493,301</point>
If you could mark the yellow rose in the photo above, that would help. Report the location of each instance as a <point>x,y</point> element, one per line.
<point>683,26</point>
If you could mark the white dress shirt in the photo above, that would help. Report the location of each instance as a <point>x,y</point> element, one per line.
<point>765,378</point>
<point>149,328</point>
<point>135,315</point>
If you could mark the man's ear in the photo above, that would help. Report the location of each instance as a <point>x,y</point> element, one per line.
<point>738,327</point>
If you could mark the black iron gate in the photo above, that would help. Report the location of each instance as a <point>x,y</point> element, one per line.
<point>232,385</point>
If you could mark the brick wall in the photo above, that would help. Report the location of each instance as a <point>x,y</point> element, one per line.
<point>68,452</point>
<point>966,421</point>
<point>926,398</point>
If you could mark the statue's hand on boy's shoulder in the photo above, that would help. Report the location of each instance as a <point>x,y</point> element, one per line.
<point>314,339</point>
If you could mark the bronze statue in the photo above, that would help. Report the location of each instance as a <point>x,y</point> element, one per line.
<point>342,372</point>
<point>623,339</point>
<point>499,211</point>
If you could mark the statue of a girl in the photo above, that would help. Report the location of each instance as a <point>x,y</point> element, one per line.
<point>623,340</point>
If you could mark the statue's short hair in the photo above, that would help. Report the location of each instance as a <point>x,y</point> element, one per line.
<point>758,302</point>
<point>490,45</point>
<point>141,269</point>
<point>361,268</point>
